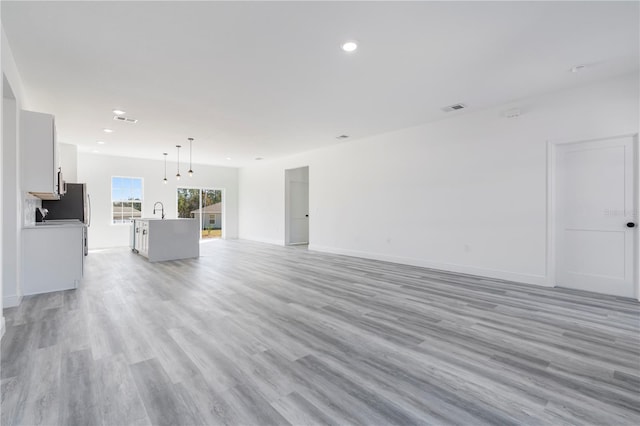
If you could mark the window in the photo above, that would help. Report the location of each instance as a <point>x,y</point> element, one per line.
<point>126,199</point>
<point>204,205</point>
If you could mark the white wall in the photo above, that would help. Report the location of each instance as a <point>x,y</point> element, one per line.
<point>10,222</point>
<point>96,171</point>
<point>2,321</point>
<point>10,231</point>
<point>465,194</point>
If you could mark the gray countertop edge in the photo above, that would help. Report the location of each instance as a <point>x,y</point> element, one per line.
<point>166,219</point>
<point>65,225</point>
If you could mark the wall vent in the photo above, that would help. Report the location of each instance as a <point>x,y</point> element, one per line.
<point>454,107</point>
<point>125,119</point>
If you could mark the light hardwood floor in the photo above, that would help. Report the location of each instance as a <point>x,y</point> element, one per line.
<point>254,334</point>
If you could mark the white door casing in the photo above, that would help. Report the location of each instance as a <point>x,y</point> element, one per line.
<point>595,197</point>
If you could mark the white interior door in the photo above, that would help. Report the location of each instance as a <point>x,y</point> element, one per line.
<point>299,230</point>
<point>595,207</point>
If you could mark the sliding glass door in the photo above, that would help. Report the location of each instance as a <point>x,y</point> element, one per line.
<point>206,206</point>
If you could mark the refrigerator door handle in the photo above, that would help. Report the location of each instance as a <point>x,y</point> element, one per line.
<point>89,205</point>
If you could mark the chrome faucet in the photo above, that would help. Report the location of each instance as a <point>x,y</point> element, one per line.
<point>161,206</point>
<point>43,212</point>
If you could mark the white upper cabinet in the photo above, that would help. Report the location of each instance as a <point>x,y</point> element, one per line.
<point>39,154</point>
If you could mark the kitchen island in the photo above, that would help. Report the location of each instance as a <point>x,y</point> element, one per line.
<point>166,239</point>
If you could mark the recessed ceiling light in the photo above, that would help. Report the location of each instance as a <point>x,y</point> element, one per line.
<point>95,151</point>
<point>228,158</point>
<point>107,130</point>
<point>100,142</point>
<point>349,46</point>
<point>578,68</point>
<point>119,112</point>
<point>342,137</point>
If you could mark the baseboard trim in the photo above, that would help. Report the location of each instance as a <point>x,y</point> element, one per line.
<point>264,240</point>
<point>539,280</point>
<point>11,301</point>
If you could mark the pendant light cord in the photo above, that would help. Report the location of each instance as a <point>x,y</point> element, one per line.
<point>178,175</point>
<point>190,157</point>
<point>165,166</point>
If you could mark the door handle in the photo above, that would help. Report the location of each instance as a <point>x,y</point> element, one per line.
<point>89,205</point>
<point>631,225</point>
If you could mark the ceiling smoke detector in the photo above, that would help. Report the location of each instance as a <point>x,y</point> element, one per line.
<point>512,113</point>
<point>125,119</point>
<point>454,107</point>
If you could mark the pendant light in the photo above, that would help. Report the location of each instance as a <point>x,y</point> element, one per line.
<point>178,174</point>
<point>165,168</point>
<point>190,168</point>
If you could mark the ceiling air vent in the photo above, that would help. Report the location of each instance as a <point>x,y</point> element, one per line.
<point>125,119</point>
<point>454,107</point>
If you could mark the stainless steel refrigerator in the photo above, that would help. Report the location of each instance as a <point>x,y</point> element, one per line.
<point>75,204</point>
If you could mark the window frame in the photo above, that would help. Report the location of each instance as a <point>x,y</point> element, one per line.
<point>222,200</point>
<point>141,179</point>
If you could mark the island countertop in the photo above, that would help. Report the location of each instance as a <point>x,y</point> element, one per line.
<point>165,219</point>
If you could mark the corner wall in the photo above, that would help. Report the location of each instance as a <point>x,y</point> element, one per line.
<point>466,194</point>
<point>11,199</point>
<point>10,218</point>
<point>96,171</point>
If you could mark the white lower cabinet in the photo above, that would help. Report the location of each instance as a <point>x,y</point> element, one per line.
<point>144,239</point>
<point>140,237</point>
<point>53,258</point>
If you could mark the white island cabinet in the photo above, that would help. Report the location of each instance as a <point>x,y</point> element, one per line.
<point>166,239</point>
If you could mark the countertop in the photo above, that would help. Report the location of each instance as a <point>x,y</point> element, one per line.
<point>166,220</point>
<point>55,224</point>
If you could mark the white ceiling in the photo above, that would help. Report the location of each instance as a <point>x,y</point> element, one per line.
<point>267,79</point>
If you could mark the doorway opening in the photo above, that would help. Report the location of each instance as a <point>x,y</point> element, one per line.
<point>593,216</point>
<point>207,206</point>
<point>296,213</point>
